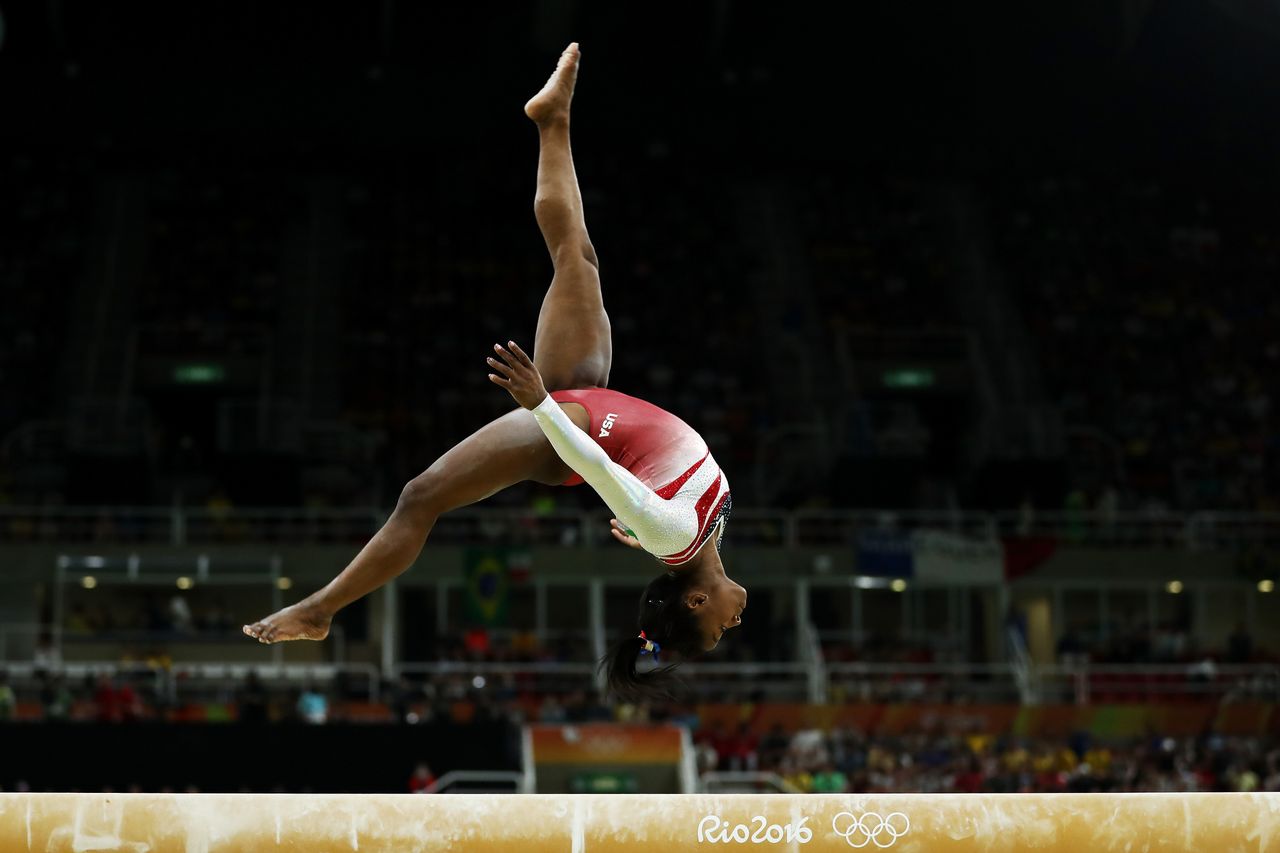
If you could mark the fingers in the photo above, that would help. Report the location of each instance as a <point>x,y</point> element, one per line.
<point>515,372</point>
<point>513,355</point>
<point>524,359</point>
<point>506,368</point>
<point>619,531</point>
<point>510,360</point>
<point>499,366</point>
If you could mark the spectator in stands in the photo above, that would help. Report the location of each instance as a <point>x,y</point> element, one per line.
<point>717,739</point>
<point>180,619</point>
<point>1272,780</point>
<point>1243,778</point>
<point>704,757</point>
<point>8,701</point>
<point>313,706</point>
<point>773,746</point>
<point>253,701</point>
<point>795,775</point>
<point>404,699</point>
<point>1071,649</point>
<point>742,749</point>
<point>55,697</point>
<point>829,780</point>
<point>422,779</point>
<point>116,701</point>
<point>550,710</point>
<point>78,620</point>
<point>809,747</point>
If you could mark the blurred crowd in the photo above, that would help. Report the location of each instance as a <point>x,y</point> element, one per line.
<point>929,760</point>
<point>1147,305</point>
<point>878,259</point>
<point>151,694</point>
<point>958,755</point>
<point>1154,307</point>
<point>846,760</point>
<point>44,227</point>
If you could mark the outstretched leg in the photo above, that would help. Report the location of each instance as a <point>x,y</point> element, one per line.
<point>573,347</point>
<point>507,451</point>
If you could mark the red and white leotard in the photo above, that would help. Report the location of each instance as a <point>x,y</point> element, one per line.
<point>651,468</point>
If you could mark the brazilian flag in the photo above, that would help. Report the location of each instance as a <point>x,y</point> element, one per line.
<point>488,586</point>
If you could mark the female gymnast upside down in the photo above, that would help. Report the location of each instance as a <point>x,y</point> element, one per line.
<point>651,468</point>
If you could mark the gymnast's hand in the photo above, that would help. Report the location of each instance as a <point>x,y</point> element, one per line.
<point>622,534</point>
<point>517,374</point>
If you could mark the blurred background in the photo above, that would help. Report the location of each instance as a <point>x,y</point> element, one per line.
<point>977,307</point>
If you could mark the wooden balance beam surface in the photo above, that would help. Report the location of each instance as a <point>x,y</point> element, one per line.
<point>1045,823</point>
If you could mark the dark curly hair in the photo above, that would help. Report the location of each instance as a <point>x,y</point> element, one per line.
<point>668,620</point>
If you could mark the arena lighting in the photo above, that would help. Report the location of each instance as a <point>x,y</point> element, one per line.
<point>284,583</point>
<point>1173,587</point>
<point>184,582</point>
<point>88,581</point>
<point>1266,585</point>
<point>898,585</point>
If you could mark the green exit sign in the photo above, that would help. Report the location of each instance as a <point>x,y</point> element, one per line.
<point>908,377</point>
<point>199,374</point>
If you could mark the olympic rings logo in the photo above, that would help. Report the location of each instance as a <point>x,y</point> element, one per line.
<point>870,828</point>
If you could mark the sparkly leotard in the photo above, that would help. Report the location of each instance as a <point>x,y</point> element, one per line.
<point>651,468</point>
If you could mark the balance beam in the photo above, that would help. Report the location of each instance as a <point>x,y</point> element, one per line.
<point>1046,823</point>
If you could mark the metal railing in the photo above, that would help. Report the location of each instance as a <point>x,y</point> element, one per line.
<point>779,680</point>
<point>193,678</point>
<point>764,527</point>
<point>1056,683</point>
<point>529,677</point>
<point>23,641</point>
<point>846,682</point>
<point>744,782</point>
<point>479,782</point>
<point>998,683</point>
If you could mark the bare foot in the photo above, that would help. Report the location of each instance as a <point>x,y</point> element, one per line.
<point>552,103</point>
<point>299,621</point>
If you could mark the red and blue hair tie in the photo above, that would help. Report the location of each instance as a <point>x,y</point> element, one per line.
<point>650,647</point>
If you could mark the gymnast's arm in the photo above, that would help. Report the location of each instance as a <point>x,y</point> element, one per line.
<point>621,490</point>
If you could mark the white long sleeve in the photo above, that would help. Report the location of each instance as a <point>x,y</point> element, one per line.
<point>671,495</point>
<point>620,489</point>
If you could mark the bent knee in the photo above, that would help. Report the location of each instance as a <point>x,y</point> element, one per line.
<point>586,373</point>
<point>421,495</point>
<point>575,252</point>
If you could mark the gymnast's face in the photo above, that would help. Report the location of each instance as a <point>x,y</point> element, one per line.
<point>718,610</point>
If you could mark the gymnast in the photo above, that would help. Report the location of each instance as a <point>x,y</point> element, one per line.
<point>653,470</point>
